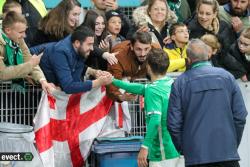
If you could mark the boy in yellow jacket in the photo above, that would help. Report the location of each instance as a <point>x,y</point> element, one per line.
<point>176,50</point>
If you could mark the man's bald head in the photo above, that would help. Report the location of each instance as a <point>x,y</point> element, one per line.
<point>197,50</point>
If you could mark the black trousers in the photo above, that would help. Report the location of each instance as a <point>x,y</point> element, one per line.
<point>219,164</point>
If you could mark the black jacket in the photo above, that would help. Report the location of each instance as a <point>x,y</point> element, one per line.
<point>41,37</point>
<point>126,23</point>
<point>95,59</point>
<point>160,36</point>
<point>33,17</point>
<point>226,35</point>
<point>236,62</point>
<point>217,60</point>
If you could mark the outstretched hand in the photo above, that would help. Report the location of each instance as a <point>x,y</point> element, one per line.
<point>143,28</point>
<point>110,57</point>
<point>47,87</point>
<point>102,78</point>
<point>142,157</point>
<point>100,73</point>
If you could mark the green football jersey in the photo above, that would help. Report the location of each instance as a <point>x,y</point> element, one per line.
<point>156,95</point>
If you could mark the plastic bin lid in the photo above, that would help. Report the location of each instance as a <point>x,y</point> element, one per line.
<point>15,128</point>
<point>117,139</point>
<point>115,145</point>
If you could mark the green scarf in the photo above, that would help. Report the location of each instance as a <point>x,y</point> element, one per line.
<point>14,56</point>
<point>175,7</point>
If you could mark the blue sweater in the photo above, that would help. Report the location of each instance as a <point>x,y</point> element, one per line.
<point>206,115</point>
<point>64,67</point>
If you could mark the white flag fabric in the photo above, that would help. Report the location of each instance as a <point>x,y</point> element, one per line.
<point>123,118</point>
<point>122,115</point>
<point>66,125</point>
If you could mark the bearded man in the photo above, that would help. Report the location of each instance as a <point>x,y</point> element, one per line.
<point>63,63</point>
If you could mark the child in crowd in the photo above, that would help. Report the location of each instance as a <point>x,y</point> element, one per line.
<point>103,6</point>
<point>215,56</point>
<point>157,146</point>
<point>114,24</point>
<point>176,50</point>
<point>239,55</point>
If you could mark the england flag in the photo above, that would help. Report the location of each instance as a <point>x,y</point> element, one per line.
<point>66,125</point>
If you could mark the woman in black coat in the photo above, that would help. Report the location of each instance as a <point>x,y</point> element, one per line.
<point>206,21</point>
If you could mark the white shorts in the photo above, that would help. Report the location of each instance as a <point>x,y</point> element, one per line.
<point>175,162</point>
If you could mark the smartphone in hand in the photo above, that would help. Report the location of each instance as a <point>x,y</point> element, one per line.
<point>108,38</point>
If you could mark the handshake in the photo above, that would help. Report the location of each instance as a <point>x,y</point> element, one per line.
<point>102,78</point>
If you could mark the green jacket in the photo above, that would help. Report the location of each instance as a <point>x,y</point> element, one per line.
<point>157,139</point>
<point>224,14</point>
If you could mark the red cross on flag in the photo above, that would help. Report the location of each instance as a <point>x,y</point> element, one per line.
<point>66,125</point>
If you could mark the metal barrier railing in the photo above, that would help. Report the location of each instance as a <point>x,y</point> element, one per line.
<point>136,109</point>
<point>128,11</point>
<point>16,107</point>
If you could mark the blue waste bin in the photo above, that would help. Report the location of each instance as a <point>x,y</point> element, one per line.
<point>116,152</point>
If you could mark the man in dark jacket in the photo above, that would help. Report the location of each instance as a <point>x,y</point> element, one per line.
<point>63,63</point>
<point>206,114</point>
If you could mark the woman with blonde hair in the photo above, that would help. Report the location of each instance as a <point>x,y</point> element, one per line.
<point>206,21</point>
<point>157,17</point>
